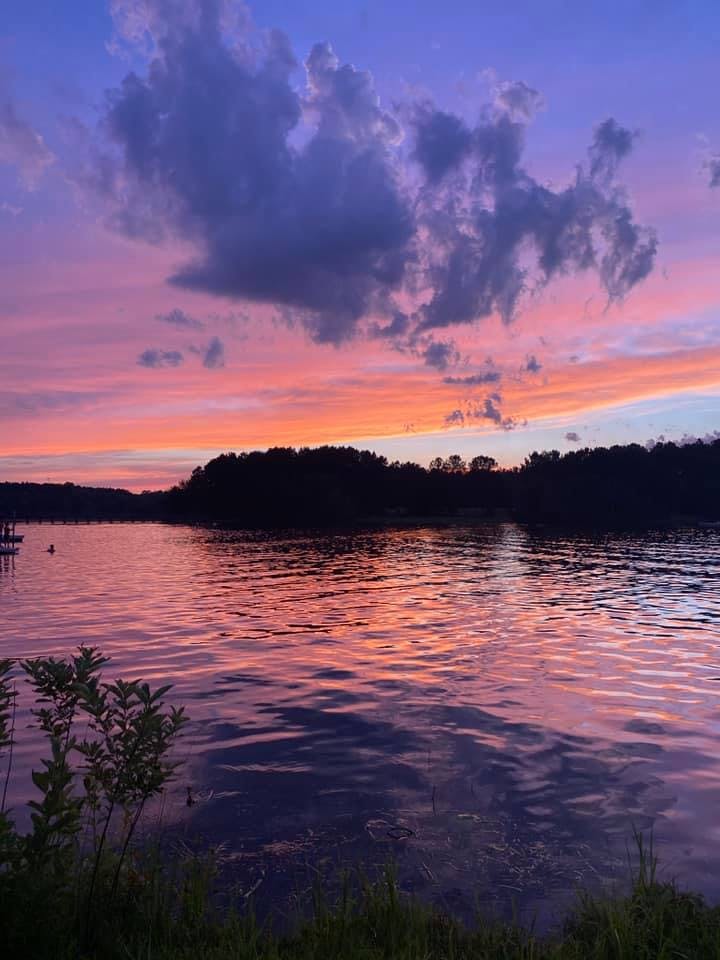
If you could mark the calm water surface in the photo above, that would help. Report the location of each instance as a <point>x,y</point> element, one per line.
<point>518,702</point>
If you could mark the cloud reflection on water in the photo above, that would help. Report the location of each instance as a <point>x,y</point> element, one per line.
<point>520,701</point>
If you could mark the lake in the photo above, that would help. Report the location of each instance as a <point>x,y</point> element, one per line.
<point>493,708</point>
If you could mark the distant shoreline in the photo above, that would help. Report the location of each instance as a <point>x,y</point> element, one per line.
<point>389,522</point>
<point>621,487</point>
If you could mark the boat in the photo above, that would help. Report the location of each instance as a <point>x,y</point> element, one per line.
<point>16,538</point>
<point>6,551</point>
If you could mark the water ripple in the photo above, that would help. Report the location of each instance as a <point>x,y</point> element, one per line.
<point>511,703</point>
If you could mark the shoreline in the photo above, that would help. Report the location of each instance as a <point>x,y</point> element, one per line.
<point>169,909</point>
<point>473,519</point>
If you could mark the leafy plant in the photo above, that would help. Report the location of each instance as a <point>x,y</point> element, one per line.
<point>7,725</point>
<point>125,758</point>
<point>103,780</point>
<point>57,816</point>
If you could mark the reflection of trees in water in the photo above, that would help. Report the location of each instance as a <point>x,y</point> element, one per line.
<point>502,810</point>
<point>336,679</point>
<point>445,619</point>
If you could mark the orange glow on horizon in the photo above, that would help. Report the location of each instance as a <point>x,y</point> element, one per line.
<point>374,405</point>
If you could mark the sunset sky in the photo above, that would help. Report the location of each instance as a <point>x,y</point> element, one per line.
<point>416,227</point>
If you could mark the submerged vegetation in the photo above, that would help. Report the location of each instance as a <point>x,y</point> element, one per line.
<point>283,486</point>
<point>77,886</point>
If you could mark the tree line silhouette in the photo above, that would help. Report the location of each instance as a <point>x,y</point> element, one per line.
<point>71,501</point>
<point>284,486</point>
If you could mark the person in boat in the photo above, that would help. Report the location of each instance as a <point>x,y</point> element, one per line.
<point>51,548</point>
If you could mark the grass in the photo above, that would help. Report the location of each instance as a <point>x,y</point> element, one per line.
<point>166,909</point>
<point>76,888</point>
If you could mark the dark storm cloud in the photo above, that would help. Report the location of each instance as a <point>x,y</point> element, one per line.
<point>178,318</point>
<point>154,358</point>
<point>302,199</point>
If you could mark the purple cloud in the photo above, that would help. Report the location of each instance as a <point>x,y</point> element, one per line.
<point>321,227</point>
<point>475,379</point>
<point>518,99</point>
<point>440,354</point>
<point>455,418</point>
<point>214,354</point>
<point>303,199</point>
<point>488,214</point>
<point>20,145</point>
<point>179,319</point>
<point>712,165</point>
<point>611,144</point>
<point>487,409</point>
<point>154,358</point>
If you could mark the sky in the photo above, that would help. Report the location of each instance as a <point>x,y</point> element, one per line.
<point>412,227</point>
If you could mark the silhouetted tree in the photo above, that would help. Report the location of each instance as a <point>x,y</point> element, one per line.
<point>455,464</point>
<point>283,486</point>
<point>481,462</point>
